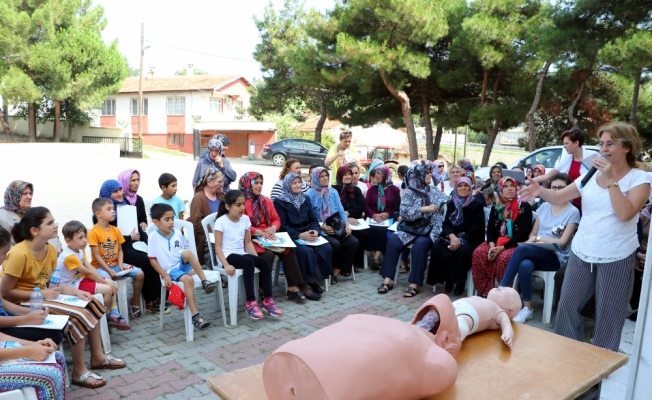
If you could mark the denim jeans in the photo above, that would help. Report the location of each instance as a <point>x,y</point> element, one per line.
<point>525,260</point>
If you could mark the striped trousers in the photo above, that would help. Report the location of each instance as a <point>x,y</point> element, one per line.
<point>612,285</point>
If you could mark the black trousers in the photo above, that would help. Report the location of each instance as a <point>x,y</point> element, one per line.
<point>343,252</point>
<point>362,237</point>
<point>34,334</point>
<point>449,266</point>
<point>248,264</point>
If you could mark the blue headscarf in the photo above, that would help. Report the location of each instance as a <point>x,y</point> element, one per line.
<point>110,186</point>
<point>295,199</point>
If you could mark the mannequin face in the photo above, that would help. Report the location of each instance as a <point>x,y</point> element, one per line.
<point>507,298</point>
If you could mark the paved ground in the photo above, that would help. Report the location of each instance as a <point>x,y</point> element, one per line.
<point>161,364</point>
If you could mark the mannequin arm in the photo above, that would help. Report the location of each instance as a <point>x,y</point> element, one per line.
<point>506,326</point>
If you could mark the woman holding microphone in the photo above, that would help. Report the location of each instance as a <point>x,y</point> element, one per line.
<point>603,250</point>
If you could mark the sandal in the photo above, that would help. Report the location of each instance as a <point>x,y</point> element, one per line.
<point>208,286</point>
<point>333,280</point>
<point>201,323</point>
<point>135,311</point>
<point>403,269</point>
<point>346,275</point>
<point>411,291</point>
<point>225,284</point>
<point>106,364</point>
<point>81,381</point>
<point>375,264</point>
<point>385,287</point>
<point>155,307</point>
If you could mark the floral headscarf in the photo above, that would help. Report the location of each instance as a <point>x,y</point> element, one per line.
<point>125,179</point>
<point>457,217</point>
<point>345,189</point>
<point>210,174</point>
<point>110,186</point>
<point>507,211</point>
<point>416,180</point>
<point>323,192</point>
<point>435,171</point>
<point>287,195</point>
<point>384,171</point>
<point>374,163</point>
<point>494,184</point>
<point>14,193</point>
<point>468,171</point>
<point>215,142</point>
<point>260,212</point>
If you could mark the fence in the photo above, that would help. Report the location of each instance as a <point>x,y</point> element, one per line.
<point>129,147</point>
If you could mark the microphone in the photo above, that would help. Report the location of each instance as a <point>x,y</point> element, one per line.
<point>590,174</point>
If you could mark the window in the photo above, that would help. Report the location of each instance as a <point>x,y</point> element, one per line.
<point>175,139</point>
<point>547,158</point>
<point>293,144</point>
<point>311,147</point>
<point>134,106</point>
<point>215,106</point>
<point>109,107</point>
<point>176,106</point>
<point>229,106</point>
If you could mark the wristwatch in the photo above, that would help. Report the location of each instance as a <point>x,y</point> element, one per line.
<point>537,239</point>
<point>612,184</point>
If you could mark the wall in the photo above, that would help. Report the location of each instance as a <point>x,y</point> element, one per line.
<point>20,127</point>
<point>14,153</point>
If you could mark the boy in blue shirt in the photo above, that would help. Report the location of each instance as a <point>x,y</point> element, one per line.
<point>168,184</point>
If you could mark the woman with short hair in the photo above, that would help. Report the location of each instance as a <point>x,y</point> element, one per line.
<point>291,165</point>
<point>341,154</point>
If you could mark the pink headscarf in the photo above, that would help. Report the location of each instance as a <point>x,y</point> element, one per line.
<point>124,178</point>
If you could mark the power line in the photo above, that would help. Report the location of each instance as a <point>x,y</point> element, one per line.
<point>199,52</point>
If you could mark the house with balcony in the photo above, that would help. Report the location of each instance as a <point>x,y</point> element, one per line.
<point>175,106</point>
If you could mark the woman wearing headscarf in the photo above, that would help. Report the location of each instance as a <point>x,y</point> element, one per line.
<point>510,223</point>
<point>420,201</point>
<point>439,171</point>
<point>539,170</point>
<point>17,200</point>
<point>462,231</point>
<point>215,158</point>
<point>207,198</point>
<point>300,222</point>
<point>382,202</point>
<point>325,203</point>
<point>495,175</point>
<point>265,222</point>
<point>353,203</point>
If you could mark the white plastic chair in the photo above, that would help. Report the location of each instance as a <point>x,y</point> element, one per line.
<point>123,303</point>
<point>398,265</point>
<point>236,285</point>
<point>470,289</point>
<point>27,393</point>
<point>212,277</point>
<point>548,291</point>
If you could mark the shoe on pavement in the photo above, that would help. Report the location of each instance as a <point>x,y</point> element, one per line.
<point>524,315</point>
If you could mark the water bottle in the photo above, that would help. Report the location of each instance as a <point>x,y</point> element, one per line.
<point>36,300</point>
<point>55,278</point>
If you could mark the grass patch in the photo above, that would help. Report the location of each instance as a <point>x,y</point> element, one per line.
<point>166,151</point>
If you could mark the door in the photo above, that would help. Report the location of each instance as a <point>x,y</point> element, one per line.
<point>294,149</point>
<point>548,158</point>
<point>313,152</point>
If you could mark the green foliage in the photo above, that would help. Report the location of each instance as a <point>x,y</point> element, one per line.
<point>184,72</point>
<point>287,127</point>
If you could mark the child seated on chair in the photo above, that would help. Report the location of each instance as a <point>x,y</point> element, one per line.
<point>168,184</point>
<point>171,258</point>
<point>76,272</point>
<point>106,248</point>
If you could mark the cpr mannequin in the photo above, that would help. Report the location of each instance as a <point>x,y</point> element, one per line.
<point>371,357</point>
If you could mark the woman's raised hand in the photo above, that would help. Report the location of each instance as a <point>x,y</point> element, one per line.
<point>530,191</point>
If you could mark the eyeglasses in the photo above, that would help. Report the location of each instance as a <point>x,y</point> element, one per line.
<point>557,187</point>
<point>608,145</point>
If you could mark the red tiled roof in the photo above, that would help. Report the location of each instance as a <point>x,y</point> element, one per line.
<point>178,83</point>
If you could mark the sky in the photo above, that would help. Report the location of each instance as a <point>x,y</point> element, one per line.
<point>222,28</point>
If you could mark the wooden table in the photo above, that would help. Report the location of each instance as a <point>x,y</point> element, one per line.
<point>541,365</point>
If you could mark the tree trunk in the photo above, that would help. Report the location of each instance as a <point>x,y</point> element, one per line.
<point>31,121</point>
<point>487,148</point>
<point>483,93</point>
<point>407,115</point>
<point>440,130</point>
<point>5,126</point>
<point>69,132</point>
<point>535,104</point>
<point>56,137</point>
<point>492,132</point>
<point>322,118</point>
<point>571,109</point>
<point>637,87</point>
<point>427,123</point>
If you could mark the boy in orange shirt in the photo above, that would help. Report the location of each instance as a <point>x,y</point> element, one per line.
<point>106,241</point>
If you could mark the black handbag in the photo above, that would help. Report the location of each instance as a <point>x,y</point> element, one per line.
<point>335,222</point>
<point>419,227</point>
<point>446,240</point>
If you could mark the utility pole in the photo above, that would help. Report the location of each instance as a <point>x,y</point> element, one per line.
<point>140,81</point>
<point>455,147</point>
<point>466,138</point>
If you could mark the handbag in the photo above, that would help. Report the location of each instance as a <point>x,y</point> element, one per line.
<point>335,222</point>
<point>419,227</point>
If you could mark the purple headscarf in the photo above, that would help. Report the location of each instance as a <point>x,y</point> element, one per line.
<point>124,179</point>
<point>457,217</point>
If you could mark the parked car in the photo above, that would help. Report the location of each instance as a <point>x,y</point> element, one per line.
<point>306,151</point>
<point>546,156</point>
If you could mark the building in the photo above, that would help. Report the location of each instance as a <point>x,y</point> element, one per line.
<point>175,106</point>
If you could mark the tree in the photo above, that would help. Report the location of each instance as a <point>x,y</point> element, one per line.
<point>184,72</point>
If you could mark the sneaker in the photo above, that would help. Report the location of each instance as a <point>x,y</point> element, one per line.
<point>200,323</point>
<point>524,315</point>
<point>270,308</point>
<point>118,322</point>
<point>253,310</point>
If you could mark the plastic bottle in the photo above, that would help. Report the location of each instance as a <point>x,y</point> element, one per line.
<point>55,278</point>
<point>36,300</point>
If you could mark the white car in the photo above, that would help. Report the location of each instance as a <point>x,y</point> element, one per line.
<point>546,156</point>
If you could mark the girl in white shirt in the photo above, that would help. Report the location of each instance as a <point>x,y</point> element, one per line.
<point>234,250</point>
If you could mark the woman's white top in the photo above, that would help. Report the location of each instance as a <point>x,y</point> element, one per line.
<point>566,160</point>
<point>448,189</point>
<point>601,236</point>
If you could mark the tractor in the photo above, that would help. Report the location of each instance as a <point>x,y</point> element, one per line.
<point>385,153</point>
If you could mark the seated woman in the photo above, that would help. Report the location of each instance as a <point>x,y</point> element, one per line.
<point>353,203</point>
<point>265,222</point>
<point>130,182</point>
<point>495,175</point>
<point>291,165</point>
<point>539,170</point>
<point>510,222</point>
<point>554,224</point>
<point>382,202</point>
<point>355,170</point>
<point>454,172</point>
<point>208,195</point>
<point>325,203</point>
<point>463,228</point>
<point>420,201</point>
<point>29,264</point>
<point>299,221</point>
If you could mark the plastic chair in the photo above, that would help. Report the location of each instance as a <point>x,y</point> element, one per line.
<point>215,278</point>
<point>123,303</point>
<point>470,289</point>
<point>398,265</point>
<point>236,285</point>
<point>548,291</point>
<point>277,262</point>
<point>27,393</point>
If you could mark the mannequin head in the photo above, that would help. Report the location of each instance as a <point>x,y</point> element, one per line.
<point>507,298</point>
<point>447,331</point>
